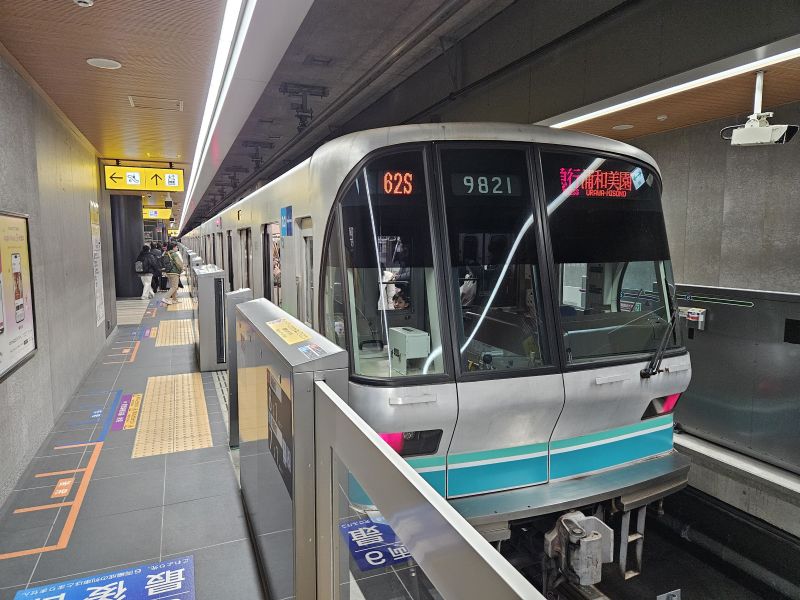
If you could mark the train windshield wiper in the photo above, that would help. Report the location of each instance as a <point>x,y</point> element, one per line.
<point>654,366</point>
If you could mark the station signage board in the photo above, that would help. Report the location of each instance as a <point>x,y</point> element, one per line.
<point>163,214</point>
<point>143,179</point>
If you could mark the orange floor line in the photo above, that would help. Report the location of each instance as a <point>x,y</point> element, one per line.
<point>63,540</point>
<point>76,445</point>
<point>67,472</point>
<point>28,509</point>
<point>133,354</point>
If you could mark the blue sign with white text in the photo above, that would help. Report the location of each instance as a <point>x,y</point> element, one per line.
<point>169,579</point>
<point>373,544</point>
<point>286,221</point>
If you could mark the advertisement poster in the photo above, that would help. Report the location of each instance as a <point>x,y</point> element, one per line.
<point>97,262</point>
<point>17,330</point>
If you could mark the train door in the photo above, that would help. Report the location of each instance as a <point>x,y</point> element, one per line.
<point>305,296</point>
<point>510,391</point>
<point>214,249</point>
<point>230,262</point>
<point>245,260</point>
<point>612,281</point>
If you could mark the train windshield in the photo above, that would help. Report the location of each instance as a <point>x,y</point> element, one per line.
<point>614,276</point>
<point>394,319</point>
<point>494,262</point>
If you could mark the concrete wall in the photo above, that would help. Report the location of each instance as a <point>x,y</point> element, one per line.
<point>733,213</point>
<point>47,173</point>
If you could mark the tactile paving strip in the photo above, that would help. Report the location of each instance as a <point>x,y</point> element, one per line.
<point>173,417</point>
<point>175,332</point>
<point>183,304</point>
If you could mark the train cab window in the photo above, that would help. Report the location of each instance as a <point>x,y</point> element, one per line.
<point>394,313</point>
<point>494,262</point>
<point>333,311</point>
<point>611,255</point>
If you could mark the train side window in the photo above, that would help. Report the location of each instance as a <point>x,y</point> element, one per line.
<point>394,313</point>
<point>333,315</point>
<point>494,260</point>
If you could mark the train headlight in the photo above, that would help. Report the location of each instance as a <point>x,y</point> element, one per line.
<point>413,443</point>
<point>661,406</point>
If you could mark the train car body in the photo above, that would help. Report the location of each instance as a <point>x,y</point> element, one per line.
<point>499,288</point>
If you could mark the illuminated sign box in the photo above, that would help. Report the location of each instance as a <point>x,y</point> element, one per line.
<point>164,214</point>
<point>143,178</point>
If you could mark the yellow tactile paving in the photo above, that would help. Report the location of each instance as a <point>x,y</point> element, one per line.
<point>183,304</point>
<point>175,332</point>
<point>173,416</point>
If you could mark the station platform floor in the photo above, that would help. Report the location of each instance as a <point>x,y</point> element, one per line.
<point>134,491</point>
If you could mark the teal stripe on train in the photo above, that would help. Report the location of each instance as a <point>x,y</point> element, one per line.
<point>604,450</point>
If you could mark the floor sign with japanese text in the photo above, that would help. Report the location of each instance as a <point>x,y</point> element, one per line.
<point>373,544</point>
<point>173,578</point>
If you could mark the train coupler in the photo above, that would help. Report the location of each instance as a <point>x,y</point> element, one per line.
<point>576,548</point>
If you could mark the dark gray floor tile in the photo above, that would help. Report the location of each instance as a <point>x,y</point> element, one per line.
<point>204,522</point>
<point>277,552</point>
<point>226,571</point>
<point>9,592</point>
<point>385,586</point>
<point>120,439</point>
<point>116,495</point>
<point>117,460</point>
<point>218,427</point>
<point>56,440</point>
<point>48,464</point>
<point>194,481</point>
<point>14,571</point>
<point>196,456</point>
<point>10,521</point>
<point>104,542</point>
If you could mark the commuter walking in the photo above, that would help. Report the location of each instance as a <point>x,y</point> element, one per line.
<point>147,268</point>
<point>174,269</point>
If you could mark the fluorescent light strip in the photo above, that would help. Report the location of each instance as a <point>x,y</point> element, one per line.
<point>215,97</point>
<point>682,87</point>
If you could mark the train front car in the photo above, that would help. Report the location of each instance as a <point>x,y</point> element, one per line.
<point>502,296</point>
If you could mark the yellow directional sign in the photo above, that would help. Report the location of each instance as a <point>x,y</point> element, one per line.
<point>172,232</point>
<point>143,178</point>
<point>157,213</point>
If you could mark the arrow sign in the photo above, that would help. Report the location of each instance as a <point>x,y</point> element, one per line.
<point>113,177</point>
<point>156,177</point>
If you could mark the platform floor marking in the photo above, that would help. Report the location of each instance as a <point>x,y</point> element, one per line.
<point>130,312</point>
<point>173,417</point>
<point>182,304</point>
<point>175,332</point>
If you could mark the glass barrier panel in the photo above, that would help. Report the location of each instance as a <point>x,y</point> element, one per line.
<point>373,563</point>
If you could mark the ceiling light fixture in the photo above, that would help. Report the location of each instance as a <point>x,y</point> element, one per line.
<point>752,60</point>
<point>216,90</point>
<point>104,63</point>
<point>622,127</point>
<point>661,118</point>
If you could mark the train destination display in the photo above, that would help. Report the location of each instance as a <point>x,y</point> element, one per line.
<point>17,328</point>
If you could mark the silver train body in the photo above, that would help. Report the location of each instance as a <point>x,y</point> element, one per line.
<point>497,338</point>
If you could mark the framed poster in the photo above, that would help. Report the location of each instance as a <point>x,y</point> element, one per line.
<point>17,319</point>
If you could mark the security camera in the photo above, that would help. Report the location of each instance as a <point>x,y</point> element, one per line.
<point>758,132</point>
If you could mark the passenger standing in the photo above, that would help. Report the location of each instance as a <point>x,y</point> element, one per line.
<point>174,269</point>
<point>146,268</point>
<point>156,252</point>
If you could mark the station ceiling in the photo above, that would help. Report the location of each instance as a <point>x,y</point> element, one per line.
<point>150,108</point>
<point>725,98</point>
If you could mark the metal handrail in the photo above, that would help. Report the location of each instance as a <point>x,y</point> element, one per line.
<point>454,556</point>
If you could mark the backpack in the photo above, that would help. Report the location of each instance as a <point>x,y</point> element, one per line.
<point>138,266</point>
<point>165,261</point>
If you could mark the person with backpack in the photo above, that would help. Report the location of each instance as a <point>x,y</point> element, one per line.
<point>146,268</point>
<point>156,252</point>
<point>173,269</point>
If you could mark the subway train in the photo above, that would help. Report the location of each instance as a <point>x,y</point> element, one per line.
<point>506,297</point>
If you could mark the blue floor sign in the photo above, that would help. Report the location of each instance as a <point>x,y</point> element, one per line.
<point>373,545</point>
<point>173,578</point>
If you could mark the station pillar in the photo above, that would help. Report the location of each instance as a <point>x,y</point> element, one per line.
<point>127,226</point>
